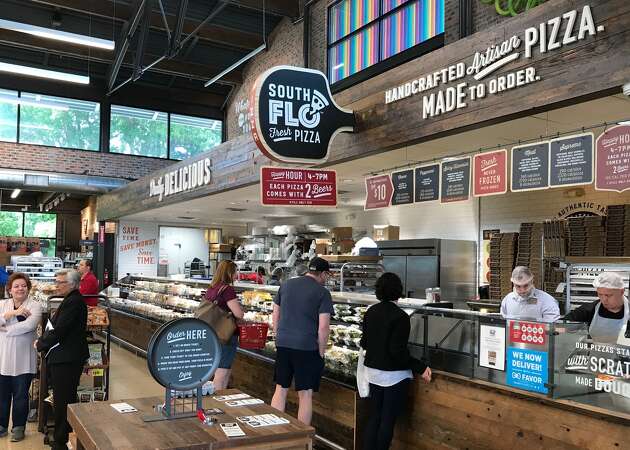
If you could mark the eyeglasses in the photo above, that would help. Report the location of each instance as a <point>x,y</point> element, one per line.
<point>61,282</point>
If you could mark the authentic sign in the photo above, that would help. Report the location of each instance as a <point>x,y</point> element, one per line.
<point>290,186</point>
<point>473,80</point>
<point>379,192</point>
<point>293,115</point>
<point>184,179</point>
<point>490,173</point>
<point>455,180</point>
<point>530,167</point>
<point>403,187</point>
<point>613,160</point>
<point>183,354</point>
<point>571,160</point>
<point>427,183</point>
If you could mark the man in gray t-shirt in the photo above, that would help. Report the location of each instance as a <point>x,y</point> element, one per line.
<point>301,322</point>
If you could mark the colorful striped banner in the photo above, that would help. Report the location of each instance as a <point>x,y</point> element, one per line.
<point>353,54</point>
<point>388,5</point>
<point>350,15</point>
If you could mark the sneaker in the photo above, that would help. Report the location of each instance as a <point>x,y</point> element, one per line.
<point>17,434</point>
<point>3,431</point>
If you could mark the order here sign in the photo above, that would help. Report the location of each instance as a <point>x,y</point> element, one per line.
<point>291,186</point>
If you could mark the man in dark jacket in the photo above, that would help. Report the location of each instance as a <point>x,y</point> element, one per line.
<point>66,350</point>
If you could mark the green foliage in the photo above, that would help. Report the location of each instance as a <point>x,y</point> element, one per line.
<point>10,223</point>
<point>187,140</point>
<point>512,7</point>
<point>8,122</point>
<point>138,136</point>
<point>40,225</point>
<point>57,128</point>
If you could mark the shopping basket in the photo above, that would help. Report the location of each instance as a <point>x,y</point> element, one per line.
<point>253,335</point>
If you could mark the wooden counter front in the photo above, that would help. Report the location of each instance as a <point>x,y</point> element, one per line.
<point>99,427</point>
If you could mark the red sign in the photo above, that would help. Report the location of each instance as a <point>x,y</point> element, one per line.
<point>379,192</point>
<point>528,333</point>
<point>289,186</point>
<point>490,173</point>
<point>613,160</point>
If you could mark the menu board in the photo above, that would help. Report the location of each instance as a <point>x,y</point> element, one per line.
<point>427,187</point>
<point>379,191</point>
<point>571,160</point>
<point>455,180</point>
<point>403,187</point>
<point>530,167</point>
<point>613,160</point>
<point>183,354</point>
<point>490,173</point>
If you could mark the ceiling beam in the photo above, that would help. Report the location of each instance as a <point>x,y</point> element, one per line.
<point>124,40</point>
<point>230,37</point>
<point>286,8</point>
<point>167,67</point>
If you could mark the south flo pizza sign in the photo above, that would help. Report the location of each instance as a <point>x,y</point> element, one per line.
<point>437,99</point>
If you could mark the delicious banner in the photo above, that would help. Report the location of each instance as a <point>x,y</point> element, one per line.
<point>427,183</point>
<point>571,160</point>
<point>288,186</point>
<point>530,167</point>
<point>490,173</point>
<point>379,191</point>
<point>403,187</point>
<point>613,160</point>
<point>455,180</point>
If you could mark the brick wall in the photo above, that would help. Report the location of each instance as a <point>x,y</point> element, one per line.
<point>284,47</point>
<point>451,21</point>
<point>51,159</point>
<point>484,16</point>
<point>319,40</point>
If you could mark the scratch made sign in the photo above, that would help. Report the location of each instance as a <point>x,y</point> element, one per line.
<point>183,179</point>
<point>437,99</point>
<point>293,115</point>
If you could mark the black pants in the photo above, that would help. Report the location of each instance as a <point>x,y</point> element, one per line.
<point>386,404</point>
<point>65,380</point>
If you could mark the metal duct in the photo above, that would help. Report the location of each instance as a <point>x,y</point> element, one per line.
<point>58,182</point>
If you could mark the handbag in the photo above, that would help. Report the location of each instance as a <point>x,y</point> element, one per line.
<point>363,383</point>
<point>220,320</point>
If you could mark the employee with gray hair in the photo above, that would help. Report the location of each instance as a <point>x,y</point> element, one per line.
<point>526,302</point>
<point>608,316</point>
<point>65,348</point>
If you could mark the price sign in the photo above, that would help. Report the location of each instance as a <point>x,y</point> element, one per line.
<point>613,160</point>
<point>289,186</point>
<point>379,191</point>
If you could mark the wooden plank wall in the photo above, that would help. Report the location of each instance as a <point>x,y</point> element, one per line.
<point>134,330</point>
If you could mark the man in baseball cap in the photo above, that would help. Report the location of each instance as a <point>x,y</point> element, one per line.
<point>301,322</point>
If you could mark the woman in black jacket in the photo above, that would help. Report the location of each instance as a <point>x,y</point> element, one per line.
<point>66,350</point>
<point>386,330</point>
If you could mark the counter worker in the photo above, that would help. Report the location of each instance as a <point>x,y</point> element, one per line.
<point>526,302</point>
<point>608,316</point>
<point>89,283</point>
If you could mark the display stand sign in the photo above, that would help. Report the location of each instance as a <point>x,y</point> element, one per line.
<point>427,185</point>
<point>613,160</point>
<point>530,167</point>
<point>528,356</point>
<point>137,249</point>
<point>490,173</point>
<point>293,115</point>
<point>492,346</point>
<point>379,191</point>
<point>182,355</point>
<point>571,160</point>
<point>403,187</point>
<point>455,180</point>
<point>289,186</point>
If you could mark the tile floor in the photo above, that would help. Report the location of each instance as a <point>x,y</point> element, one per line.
<point>130,378</point>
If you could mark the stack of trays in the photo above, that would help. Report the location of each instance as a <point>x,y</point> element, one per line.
<point>502,256</point>
<point>530,248</point>
<point>587,236</point>
<point>618,231</point>
<point>554,275</point>
<point>555,238</point>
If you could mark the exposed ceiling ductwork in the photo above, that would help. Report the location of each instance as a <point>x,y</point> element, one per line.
<point>58,182</point>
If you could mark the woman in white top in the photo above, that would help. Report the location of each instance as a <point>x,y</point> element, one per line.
<point>19,317</point>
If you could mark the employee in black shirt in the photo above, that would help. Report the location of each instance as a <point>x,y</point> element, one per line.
<point>608,316</point>
<point>386,330</point>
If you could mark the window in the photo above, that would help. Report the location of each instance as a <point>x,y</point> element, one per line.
<point>40,225</point>
<point>59,122</point>
<point>48,247</point>
<point>10,223</point>
<point>193,135</point>
<point>8,115</point>
<point>136,131</point>
<point>362,33</point>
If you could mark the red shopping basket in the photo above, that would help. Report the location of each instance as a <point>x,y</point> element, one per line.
<point>253,335</point>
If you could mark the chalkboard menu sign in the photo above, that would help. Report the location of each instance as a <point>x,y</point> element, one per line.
<point>455,180</point>
<point>183,354</point>
<point>427,183</point>
<point>571,160</point>
<point>403,187</point>
<point>530,167</point>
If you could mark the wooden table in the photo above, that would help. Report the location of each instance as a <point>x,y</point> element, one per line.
<point>98,426</point>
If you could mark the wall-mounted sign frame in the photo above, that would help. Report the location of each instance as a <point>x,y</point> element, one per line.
<point>612,159</point>
<point>490,173</point>
<point>530,167</point>
<point>291,186</point>
<point>455,184</point>
<point>427,183</point>
<point>571,160</point>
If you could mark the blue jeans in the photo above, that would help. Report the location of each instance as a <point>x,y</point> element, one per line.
<point>14,390</point>
<point>228,353</point>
